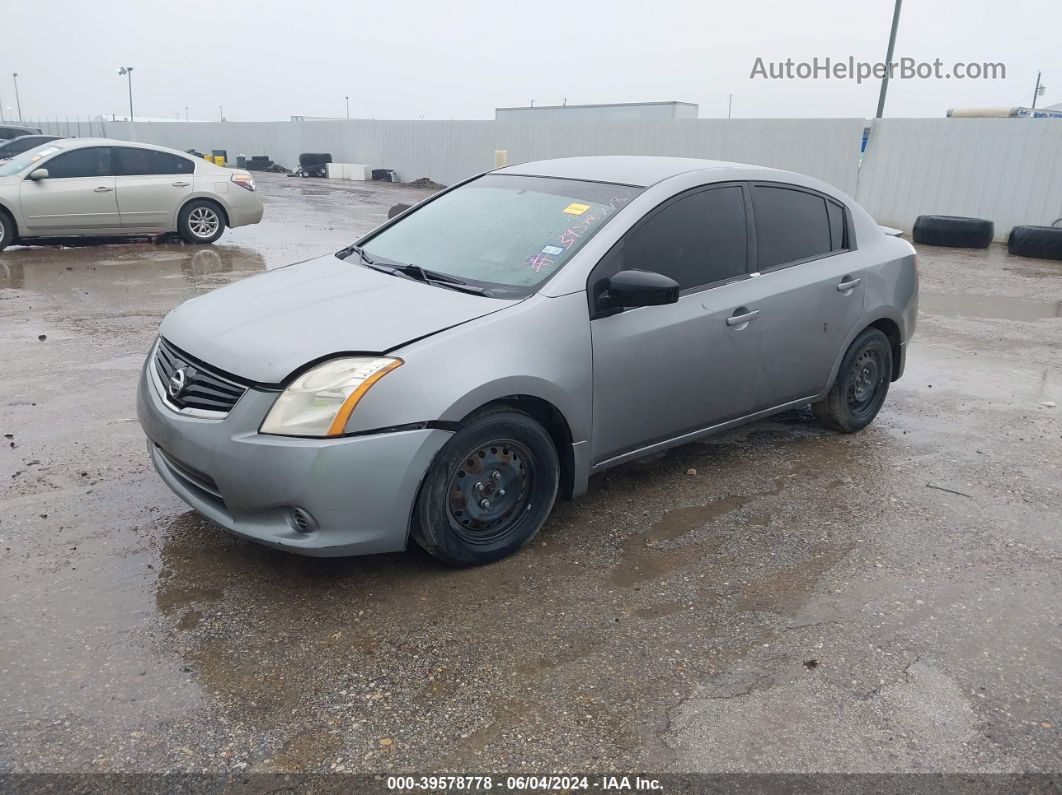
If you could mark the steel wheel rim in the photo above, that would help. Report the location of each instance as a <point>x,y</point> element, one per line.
<point>203,222</point>
<point>490,491</point>
<point>865,380</point>
<point>3,230</point>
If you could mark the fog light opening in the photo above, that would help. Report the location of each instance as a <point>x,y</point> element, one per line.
<point>301,521</point>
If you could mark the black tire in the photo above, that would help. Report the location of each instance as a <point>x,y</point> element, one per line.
<point>194,222</point>
<point>861,385</point>
<point>953,230</point>
<point>7,230</point>
<point>1042,242</point>
<point>502,458</point>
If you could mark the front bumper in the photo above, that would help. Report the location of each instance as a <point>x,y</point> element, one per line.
<point>359,490</point>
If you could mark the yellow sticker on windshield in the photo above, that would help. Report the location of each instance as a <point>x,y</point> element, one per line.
<point>576,209</point>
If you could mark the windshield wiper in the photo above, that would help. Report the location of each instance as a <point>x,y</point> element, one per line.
<point>411,271</point>
<point>440,279</point>
<point>354,248</point>
<point>426,275</point>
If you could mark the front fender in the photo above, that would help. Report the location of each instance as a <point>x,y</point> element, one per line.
<point>539,348</point>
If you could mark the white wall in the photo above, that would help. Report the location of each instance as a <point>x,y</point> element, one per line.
<point>1006,170</point>
<point>823,148</point>
<point>622,112</point>
<point>448,151</point>
<point>445,151</point>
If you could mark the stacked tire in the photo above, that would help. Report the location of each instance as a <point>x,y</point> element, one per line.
<point>1042,242</point>
<point>954,231</point>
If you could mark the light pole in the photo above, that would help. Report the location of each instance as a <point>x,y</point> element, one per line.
<point>348,106</point>
<point>888,60</point>
<point>18,102</point>
<point>128,70</point>
<point>186,113</point>
<point>1038,90</point>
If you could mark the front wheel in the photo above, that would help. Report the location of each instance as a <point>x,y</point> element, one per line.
<point>488,491</point>
<point>200,221</point>
<point>861,385</point>
<point>7,230</point>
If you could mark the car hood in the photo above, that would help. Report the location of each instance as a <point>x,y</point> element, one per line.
<point>267,326</point>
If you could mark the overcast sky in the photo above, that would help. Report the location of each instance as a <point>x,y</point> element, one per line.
<point>269,60</point>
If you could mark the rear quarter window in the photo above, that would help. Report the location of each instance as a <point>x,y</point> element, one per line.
<point>838,233</point>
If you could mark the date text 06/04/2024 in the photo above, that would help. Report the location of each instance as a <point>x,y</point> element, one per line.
<point>472,783</point>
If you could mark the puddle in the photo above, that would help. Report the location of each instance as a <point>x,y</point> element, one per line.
<point>643,560</point>
<point>992,307</point>
<point>787,590</point>
<point>129,274</point>
<point>679,521</point>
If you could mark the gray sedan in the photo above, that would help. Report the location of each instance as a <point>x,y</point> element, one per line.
<point>458,369</point>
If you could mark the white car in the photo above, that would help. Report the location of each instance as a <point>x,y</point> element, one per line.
<point>96,186</point>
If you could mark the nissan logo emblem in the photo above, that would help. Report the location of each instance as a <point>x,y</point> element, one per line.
<point>177,382</point>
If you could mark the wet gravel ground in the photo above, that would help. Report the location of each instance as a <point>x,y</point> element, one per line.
<point>776,598</point>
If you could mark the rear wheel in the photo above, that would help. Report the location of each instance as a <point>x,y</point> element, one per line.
<point>488,491</point>
<point>861,385</point>
<point>7,230</point>
<point>200,221</point>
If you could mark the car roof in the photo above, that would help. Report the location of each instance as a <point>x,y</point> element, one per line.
<point>637,170</point>
<point>80,143</point>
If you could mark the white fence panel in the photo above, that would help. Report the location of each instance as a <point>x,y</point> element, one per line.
<point>445,151</point>
<point>824,148</point>
<point>1006,170</point>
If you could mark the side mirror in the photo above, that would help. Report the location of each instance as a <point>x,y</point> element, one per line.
<point>628,289</point>
<point>38,173</point>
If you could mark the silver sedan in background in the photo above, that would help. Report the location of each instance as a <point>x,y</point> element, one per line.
<point>457,369</point>
<point>97,186</point>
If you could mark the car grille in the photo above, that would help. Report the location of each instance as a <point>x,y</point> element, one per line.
<point>190,384</point>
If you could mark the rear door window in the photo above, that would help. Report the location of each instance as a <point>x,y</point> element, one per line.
<point>19,145</point>
<point>791,225</point>
<point>139,162</point>
<point>92,161</point>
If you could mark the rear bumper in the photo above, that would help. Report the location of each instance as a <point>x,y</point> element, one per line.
<point>358,490</point>
<point>244,212</point>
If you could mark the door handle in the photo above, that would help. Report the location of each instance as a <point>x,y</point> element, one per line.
<point>181,184</point>
<point>848,284</point>
<point>737,320</point>
<point>102,189</point>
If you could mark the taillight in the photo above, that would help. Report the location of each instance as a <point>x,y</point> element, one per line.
<point>245,181</point>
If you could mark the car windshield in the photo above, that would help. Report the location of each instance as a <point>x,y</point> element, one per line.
<point>20,162</point>
<point>507,234</point>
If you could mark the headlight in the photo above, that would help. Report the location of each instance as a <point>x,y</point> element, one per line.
<point>319,402</point>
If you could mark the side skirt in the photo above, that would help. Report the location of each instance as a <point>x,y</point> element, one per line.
<point>693,436</point>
